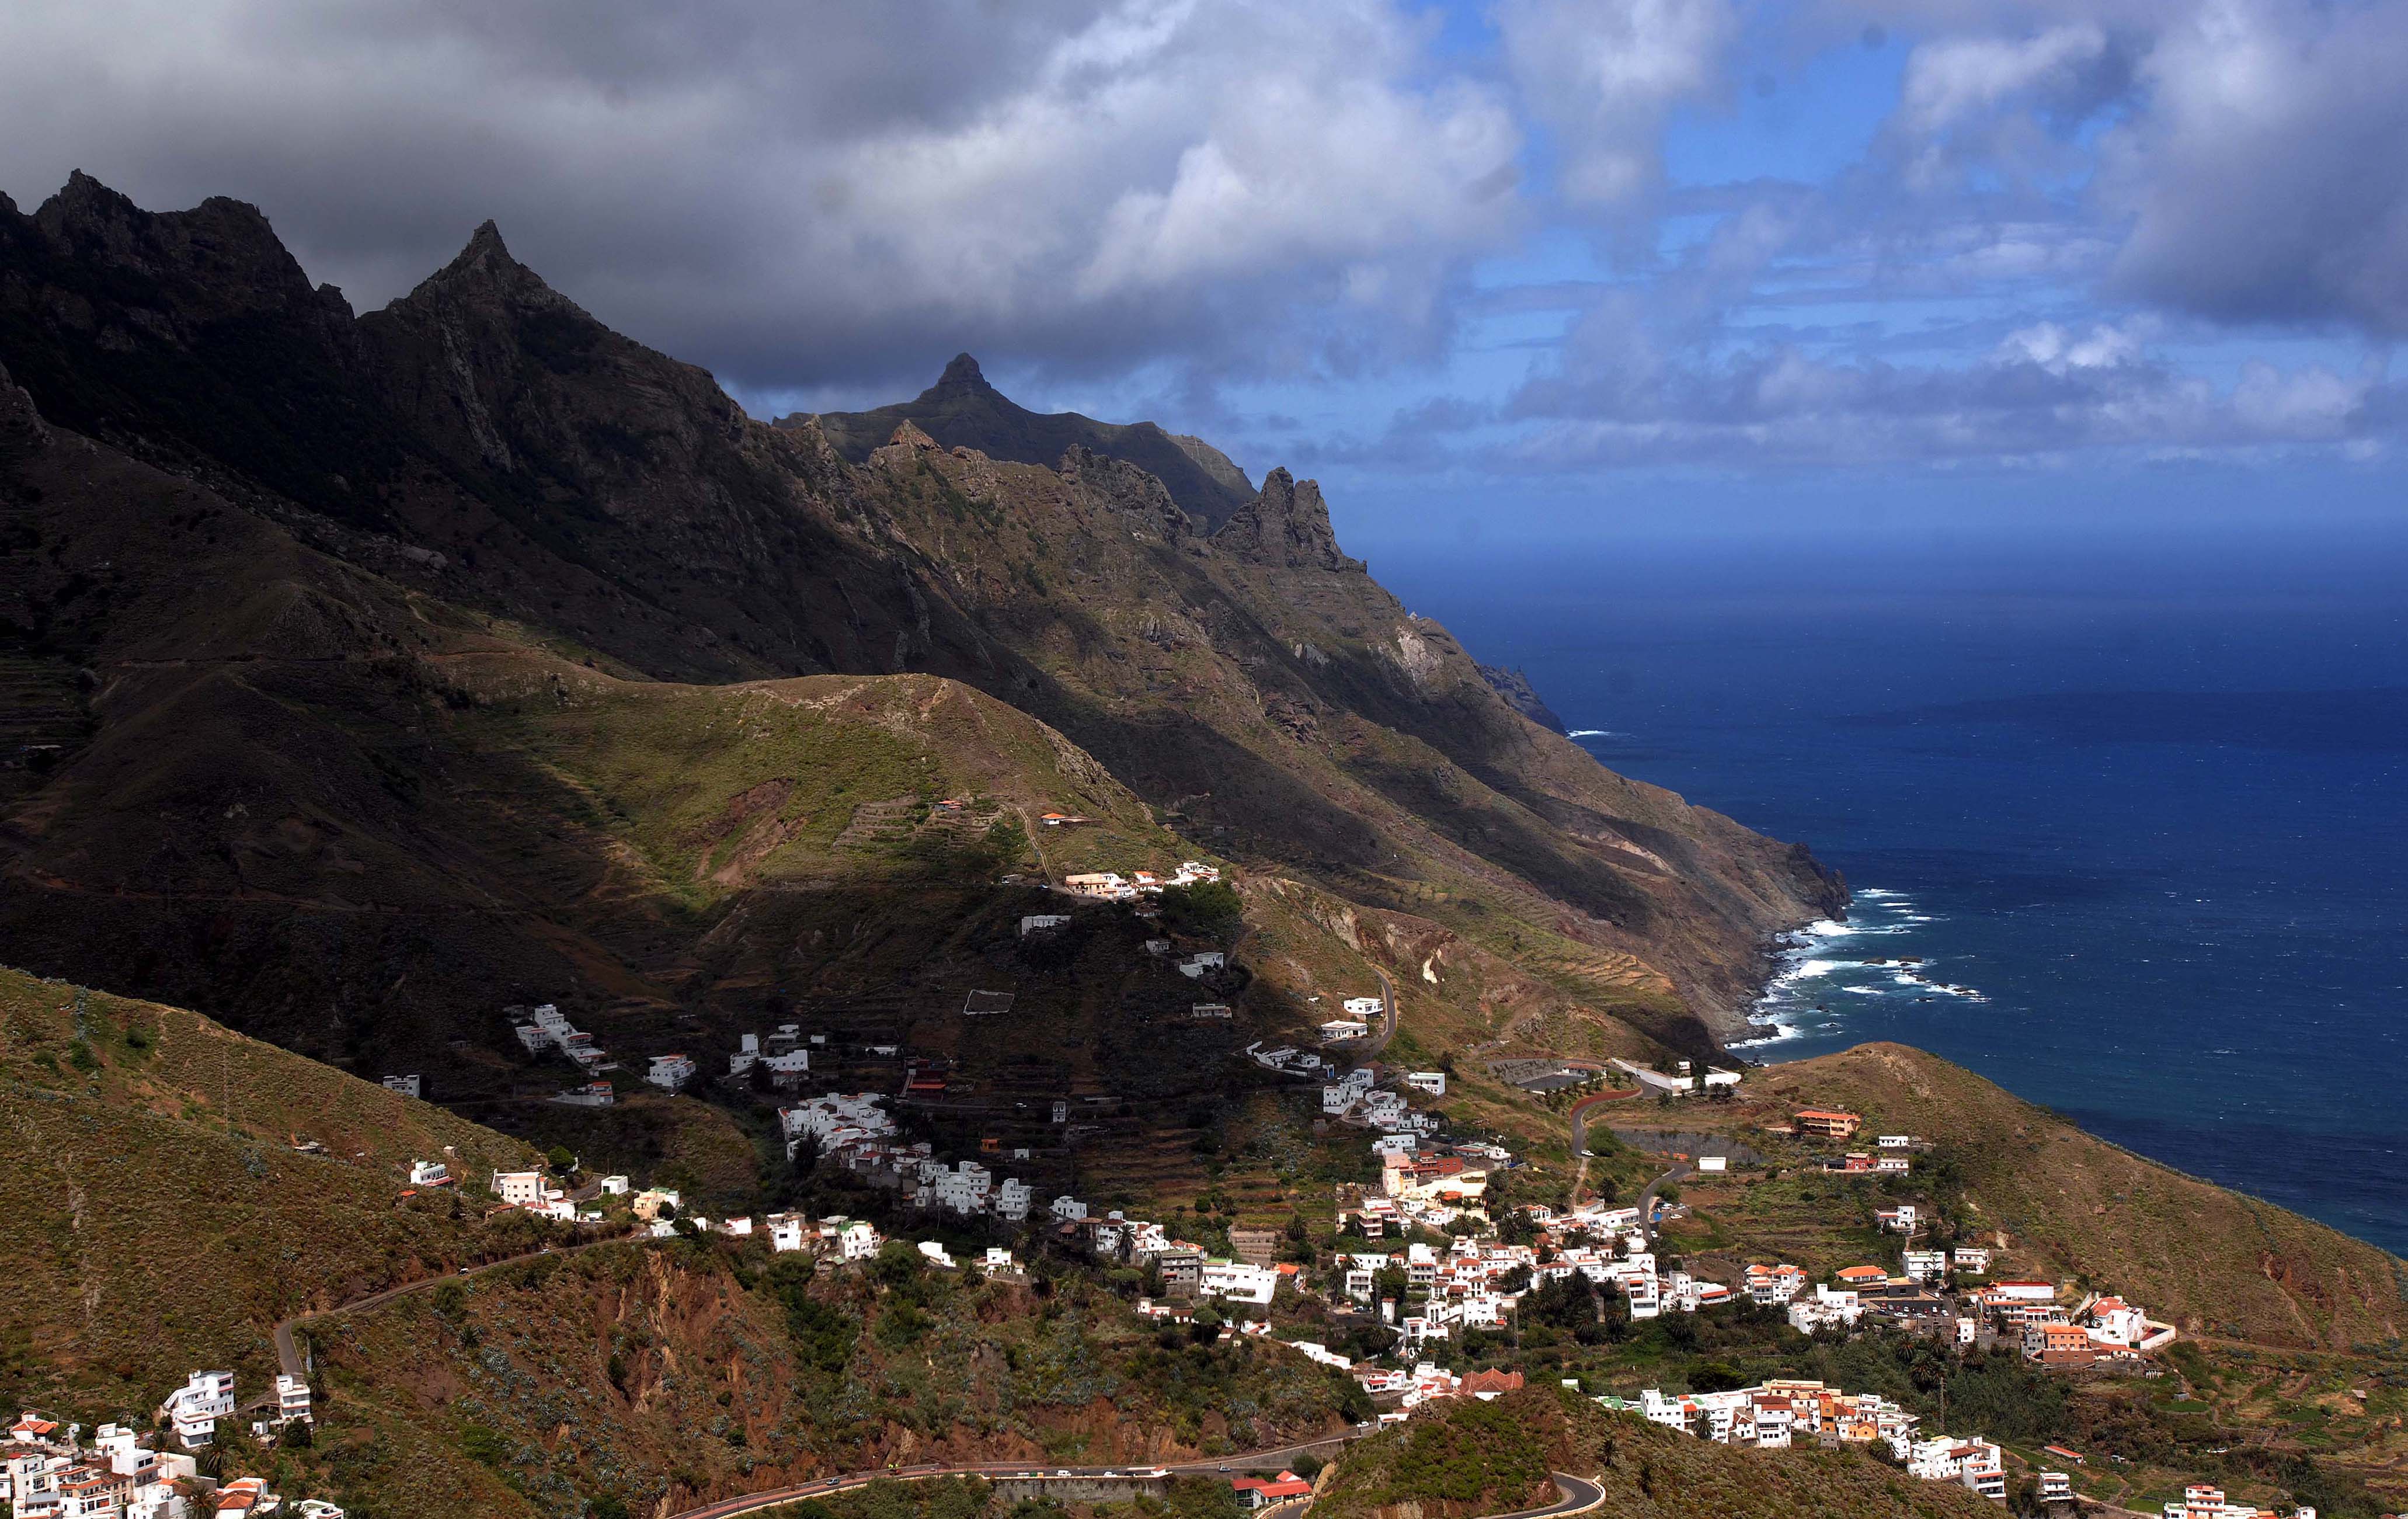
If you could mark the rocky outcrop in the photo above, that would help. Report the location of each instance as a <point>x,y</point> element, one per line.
<point>20,425</point>
<point>1127,489</point>
<point>1286,527</point>
<point>1514,686</point>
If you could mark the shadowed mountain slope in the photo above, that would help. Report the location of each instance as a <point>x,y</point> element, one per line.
<point>483,470</point>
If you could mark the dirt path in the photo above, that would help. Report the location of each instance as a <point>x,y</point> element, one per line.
<point>288,1356</point>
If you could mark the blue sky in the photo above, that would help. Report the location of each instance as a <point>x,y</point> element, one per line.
<point>1498,270</point>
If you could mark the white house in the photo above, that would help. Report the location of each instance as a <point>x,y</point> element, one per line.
<point>406,1085</point>
<point>1925,1264</point>
<point>1713,1163</point>
<point>196,1408</point>
<point>2115,1322</point>
<point>669,1072</point>
<point>786,1231</point>
<point>1431,1081</point>
<point>523,1189</point>
<point>1338,1029</point>
<point>858,1241</point>
<point>292,1400</point>
<point>1367,1006</point>
<point>592,1095</point>
<point>1038,922</point>
<point>615,1186</point>
<point>1647,1296</point>
<point>1201,961</point>
<point>1894,1141</point>
<point>429,1173</point>
<point>1237,1282</point>
<point>1068,1209</point>
<point>1011,1199</point>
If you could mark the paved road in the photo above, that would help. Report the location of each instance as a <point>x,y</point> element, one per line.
<point>288,1356</point>
<point>1580,1495</point>
<point>1388,997</point>
<point>1647,1200</point>
<point>1246,1461</point>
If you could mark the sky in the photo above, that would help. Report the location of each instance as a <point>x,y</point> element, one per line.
<point>1501,270</point>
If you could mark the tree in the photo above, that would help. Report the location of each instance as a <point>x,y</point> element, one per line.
<point>1208,908</point>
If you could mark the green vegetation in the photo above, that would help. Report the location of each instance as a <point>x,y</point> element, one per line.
<point>1463,1458</point>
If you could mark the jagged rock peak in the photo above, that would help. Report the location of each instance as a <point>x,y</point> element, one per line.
<point>1287,525</point>
<point>962,375</point>
<point>484,268</point>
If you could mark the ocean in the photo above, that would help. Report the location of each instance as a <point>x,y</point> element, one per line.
<point>2125,821</point>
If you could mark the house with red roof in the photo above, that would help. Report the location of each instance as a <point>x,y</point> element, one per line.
<point>1254,1493</point>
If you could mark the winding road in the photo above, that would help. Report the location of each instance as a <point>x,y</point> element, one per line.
<point>1647,1200</point>
<point>1388,1030</point>
<point>1244,1461</point>
<point>1579,1494</point>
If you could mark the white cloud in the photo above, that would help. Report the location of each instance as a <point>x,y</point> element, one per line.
<point>2057,350</point>
<point>1602,76</point>
<point>1951,78</point>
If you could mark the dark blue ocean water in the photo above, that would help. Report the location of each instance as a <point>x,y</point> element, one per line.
<point>2136,813</point>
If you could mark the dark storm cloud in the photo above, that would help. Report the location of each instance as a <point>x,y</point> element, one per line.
<point>1169,201</point>
<point>801,197</point>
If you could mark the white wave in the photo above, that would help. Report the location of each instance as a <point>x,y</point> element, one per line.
<point>1804,968</point>
<point>1875,893</point>
<point>1775,1032</point>
<point>1830,928</point>
<point>1595,733</point>
<point>1864,991</point>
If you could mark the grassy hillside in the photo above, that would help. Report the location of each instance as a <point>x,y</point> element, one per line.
<point>2072,1207</point>
<point>161,1219</point>
<point>697,1368</point>
<point>1457,1459</point>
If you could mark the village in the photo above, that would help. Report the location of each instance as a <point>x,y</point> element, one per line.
<point>1420,1290</point>
<point>51,1471</point>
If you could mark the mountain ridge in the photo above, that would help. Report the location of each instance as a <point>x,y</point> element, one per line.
<point>483,460</point>
<point>963,411</point>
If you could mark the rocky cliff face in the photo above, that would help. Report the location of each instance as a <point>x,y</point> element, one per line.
<point>1519,695</point>
<point>484,444</point>
<point>1286,527</point>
